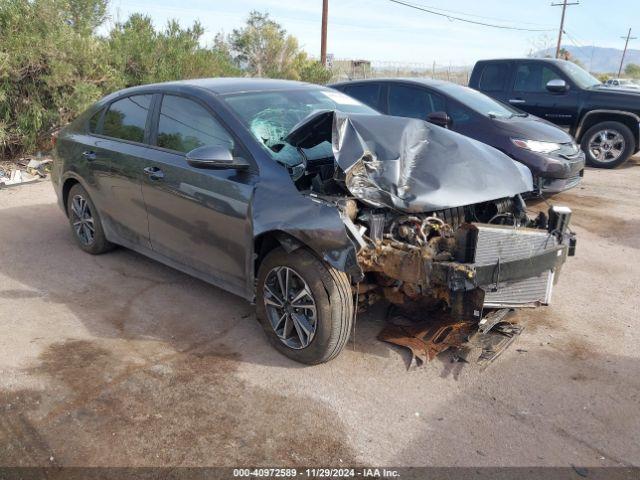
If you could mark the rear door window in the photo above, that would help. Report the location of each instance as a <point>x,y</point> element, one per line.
<point>493,77</point>
<point>533,78</point>
<point>367,93</point>
<point>126,118</point>
<point>185,124</point>
<point>413,102</point>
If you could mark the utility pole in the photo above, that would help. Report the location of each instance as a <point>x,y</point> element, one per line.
<point>624,52</point>
<point>323,35</point>
<point>564,5</point>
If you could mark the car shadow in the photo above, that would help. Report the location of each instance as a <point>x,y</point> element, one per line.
<point>631,163</point>
<point>556,412</point>
<point>125,295</point>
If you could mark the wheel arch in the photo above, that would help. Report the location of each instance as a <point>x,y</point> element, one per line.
<point>66,188</point>
<point>594,117</point>
<point>268,241</point>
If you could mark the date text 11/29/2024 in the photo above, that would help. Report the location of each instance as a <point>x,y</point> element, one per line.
<point>316,472</point>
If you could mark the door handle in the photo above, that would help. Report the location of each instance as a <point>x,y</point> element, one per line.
<point>90,155</point>
<point>154,173</point>
<point>517,101</point>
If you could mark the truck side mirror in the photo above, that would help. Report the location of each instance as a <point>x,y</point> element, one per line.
<point>557,85</point>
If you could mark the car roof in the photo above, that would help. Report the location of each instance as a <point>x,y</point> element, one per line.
<point>225,85</point>
<point>525,59</point>
<point>429,82</point>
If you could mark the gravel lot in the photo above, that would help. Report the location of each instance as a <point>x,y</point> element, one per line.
<point>118,360</point>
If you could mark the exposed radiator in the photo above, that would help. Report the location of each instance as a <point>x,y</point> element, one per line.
<point>506,244</point>
<point>531,291</point>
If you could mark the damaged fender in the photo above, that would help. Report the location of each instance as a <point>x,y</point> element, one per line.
<point>312,222</point>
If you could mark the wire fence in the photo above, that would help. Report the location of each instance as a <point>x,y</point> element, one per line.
<point>348,69</point>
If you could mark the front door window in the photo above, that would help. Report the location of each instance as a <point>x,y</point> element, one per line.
<point>185,125</point>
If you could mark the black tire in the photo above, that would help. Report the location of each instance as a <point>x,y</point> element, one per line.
<point>331,290</point>
<point>98,243</point>
<point>615,128</point>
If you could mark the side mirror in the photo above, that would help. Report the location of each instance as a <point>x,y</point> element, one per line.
<point>439,118</point>
<point>557,85</point>
<point>215,157</point>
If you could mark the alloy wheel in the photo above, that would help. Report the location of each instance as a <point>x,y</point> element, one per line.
<point>290,307</point>
<point>606,145</point>
<point>82,220</point>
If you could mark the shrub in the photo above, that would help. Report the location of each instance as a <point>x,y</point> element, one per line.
<point>53,65</point>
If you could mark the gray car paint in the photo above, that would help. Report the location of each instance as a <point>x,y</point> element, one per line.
<point>206,223</point>
<point>211,223</point>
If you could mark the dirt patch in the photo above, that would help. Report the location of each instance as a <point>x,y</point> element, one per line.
<point>184,408</point>
<point>615,229</point>
<point>534,319</point>
<point>578,350</point>
<point>631,163</point>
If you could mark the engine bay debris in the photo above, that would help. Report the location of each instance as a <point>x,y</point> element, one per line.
<point>467,341</point>
<point>437,222</point>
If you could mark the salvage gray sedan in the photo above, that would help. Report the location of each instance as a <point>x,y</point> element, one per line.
<point>296,197</point>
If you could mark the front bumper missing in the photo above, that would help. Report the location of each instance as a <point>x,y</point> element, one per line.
<point>525,282</point>
<point>507,267</point>
<point>497,268</point>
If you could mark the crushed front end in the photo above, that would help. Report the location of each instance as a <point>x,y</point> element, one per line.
<point>489,255</point>
<point>437,221</point>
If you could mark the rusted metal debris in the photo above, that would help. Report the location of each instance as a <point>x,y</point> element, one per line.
<point>492,319</point>
<point>470,342</point>
<point>484,348</point>
<point>426,339</point>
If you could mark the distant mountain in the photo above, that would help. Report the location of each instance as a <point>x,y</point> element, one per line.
<point>597,59</point>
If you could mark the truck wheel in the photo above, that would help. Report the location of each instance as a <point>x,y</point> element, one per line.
<point>85,222</point>
<point>304,305</point>
<point>608,144</point>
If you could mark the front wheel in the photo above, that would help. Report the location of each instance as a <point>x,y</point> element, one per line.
<point>608,144</point>
<point>304,305</point>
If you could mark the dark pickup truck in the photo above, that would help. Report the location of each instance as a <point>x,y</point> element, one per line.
<point>605,121</point>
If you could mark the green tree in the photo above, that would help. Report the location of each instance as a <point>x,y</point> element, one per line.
<point>53,65</point>
<point>632,70</point>
<point>85,15</point>
<point>264,49</point>
<point>145,55</point>
<point>49,70</point>
<point>310,70</point>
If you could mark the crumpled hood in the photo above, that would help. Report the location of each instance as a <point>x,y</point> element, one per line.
<point>411,165</point>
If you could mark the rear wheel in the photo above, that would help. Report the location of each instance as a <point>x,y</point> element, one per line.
<point>304,305</point>
<point>608,144</point>
<point>85,222</point>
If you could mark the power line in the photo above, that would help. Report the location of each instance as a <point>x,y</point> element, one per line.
<point>574,40</point>
<point>451,17</point>
<point>473,15</point>
<point>564,6</point>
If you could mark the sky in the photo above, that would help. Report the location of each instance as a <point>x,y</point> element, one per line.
<point>382,31</point>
